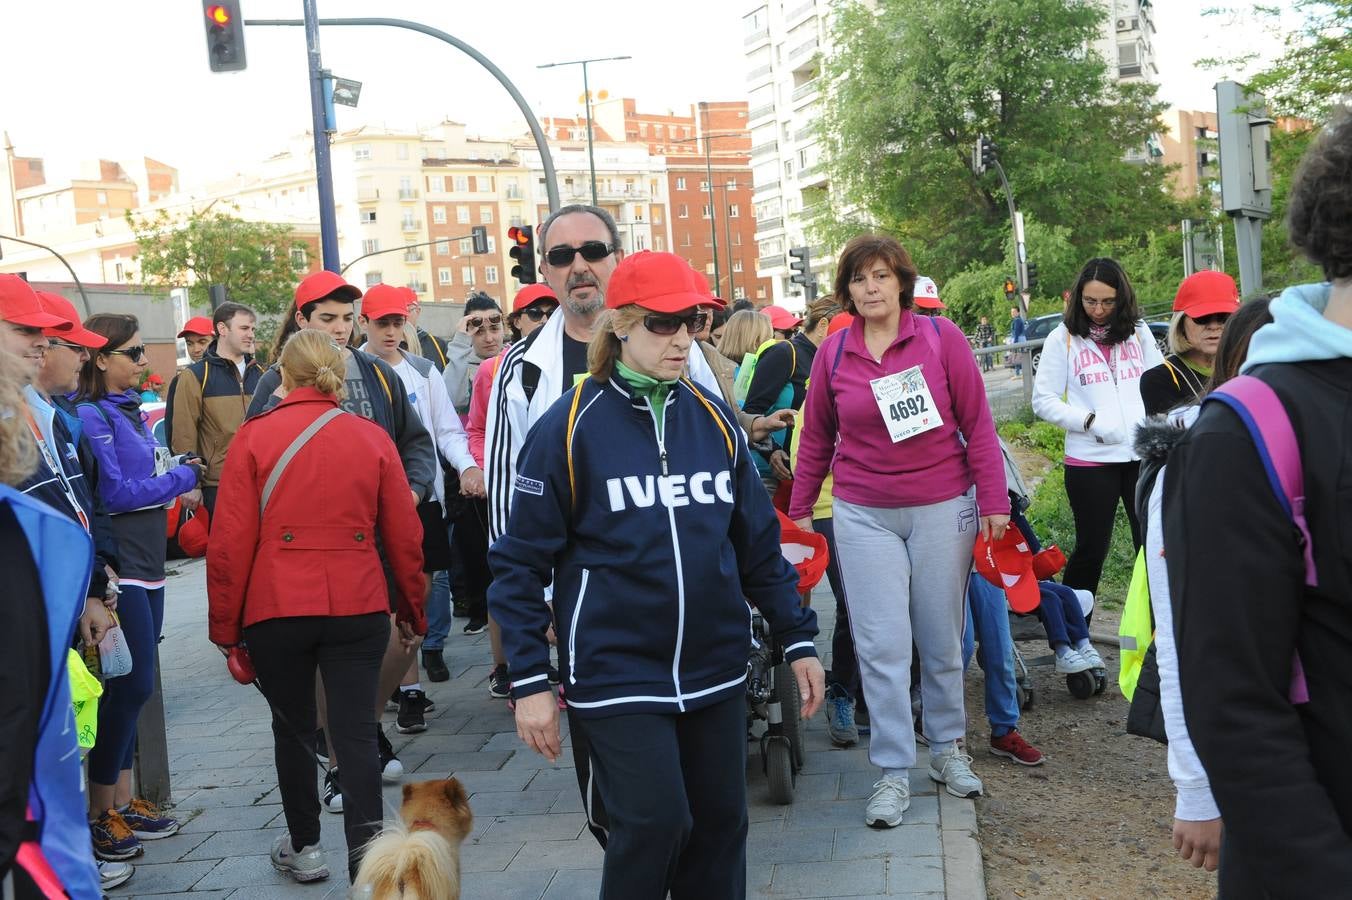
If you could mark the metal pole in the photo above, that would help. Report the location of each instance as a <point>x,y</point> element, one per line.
<point>76,278</point>
<point>1020,253</point>
<point>727,227</point>
<point>591,156</point>
<point>328,224</point>
<point>546,161</point>
<point>709,182</point>
<point>1249,245</point>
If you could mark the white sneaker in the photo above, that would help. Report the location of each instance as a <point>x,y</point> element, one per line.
<point>953,769</point>
<point>1070,662</point>
<point>891,797</point>
<point>306,865</point>
<point>1091,656</point>
<point>112,874</point>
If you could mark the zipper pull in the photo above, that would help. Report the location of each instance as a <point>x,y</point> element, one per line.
<point>664,461</point>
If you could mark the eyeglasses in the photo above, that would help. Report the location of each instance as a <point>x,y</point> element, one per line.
<point>492,323</point>
<point>536,314</point>
<point>135,354</point>
<point>666,325</point>
<point>592,251</point>
<point>74,348</point>
<point>1090,303</point>
<point>1213,319</point>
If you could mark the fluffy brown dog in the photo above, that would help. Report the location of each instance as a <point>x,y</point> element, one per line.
<point>418,858</point>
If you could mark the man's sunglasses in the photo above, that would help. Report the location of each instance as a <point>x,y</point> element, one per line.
<point>666,325</point>
<point>538,314</point>
<point>135,354</point>
<point>479,322</point>
<point>74,348</point>
<point>592,251</point>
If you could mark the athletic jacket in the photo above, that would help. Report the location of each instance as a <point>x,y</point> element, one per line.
<point>62,558</point>
<point>390,410</point>
<point>1278,770</point>
<point>427,392</point>
<point>529,380</point>
<point>652,543</point>
<point>432,349</point>
<point>1074,378</point>
<point>208,401</point>
<point>462,364</point>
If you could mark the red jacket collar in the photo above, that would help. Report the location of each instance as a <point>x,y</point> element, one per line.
<point>308,395</point>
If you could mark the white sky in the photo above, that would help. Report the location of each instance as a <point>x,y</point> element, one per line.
<point>75,89</point>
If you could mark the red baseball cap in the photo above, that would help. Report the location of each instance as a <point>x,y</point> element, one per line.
<point>384,300</point>
<point>198,325</point>
<point>19,304</point>
<point>1008,564</point>
<point>661,282</point>
<point>1205,293</point>
<point>76,333</point>
<point>927,293</point>
<point>532,293</point>
<point>780,318</point>
<point>839,322</point>
<point>193,534</point>
<point>326,285</point>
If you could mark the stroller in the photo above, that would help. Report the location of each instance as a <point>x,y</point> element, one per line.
<point>771,689</point>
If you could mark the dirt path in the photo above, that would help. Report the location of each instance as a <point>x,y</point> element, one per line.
<point>1094,820</point>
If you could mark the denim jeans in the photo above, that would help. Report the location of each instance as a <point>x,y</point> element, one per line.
<point>439,607</point>
<point>988,611</point>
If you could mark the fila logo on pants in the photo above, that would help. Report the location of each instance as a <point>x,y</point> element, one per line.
<point>671,490</point>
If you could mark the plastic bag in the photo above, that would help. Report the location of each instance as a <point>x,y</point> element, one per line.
<point>114,652</point>
<point>85,691</point>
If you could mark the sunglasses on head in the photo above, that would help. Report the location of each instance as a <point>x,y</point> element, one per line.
<point>1213,319</point>
<point>667,324</point>
<point>592,251</point>
<point>479,322</point>
<point>538,313</point>
<point>135,354</point>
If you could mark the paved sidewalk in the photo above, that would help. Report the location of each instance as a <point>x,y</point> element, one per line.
<point>528,839</point>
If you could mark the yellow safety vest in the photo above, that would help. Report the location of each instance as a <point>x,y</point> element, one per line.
<point>1137,630</point>
<point>85,691</point>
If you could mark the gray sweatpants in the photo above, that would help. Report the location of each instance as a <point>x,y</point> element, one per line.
<point>905,572</point>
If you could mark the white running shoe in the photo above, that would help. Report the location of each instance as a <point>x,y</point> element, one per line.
<point>953,769</point>
<point>1091,656</point>
<point>307,864</point>
<point>891,797</point>
<point>1070,662</point>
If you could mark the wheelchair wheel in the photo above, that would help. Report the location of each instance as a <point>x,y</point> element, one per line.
<point>1081,685</point>
<point>1026,697</point>
<point>790,707</point>
<point>779,770</point>
<point>1100,680</point>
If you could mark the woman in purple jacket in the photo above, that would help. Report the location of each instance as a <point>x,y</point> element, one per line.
<point>137,480</point>
<point>905,429</point>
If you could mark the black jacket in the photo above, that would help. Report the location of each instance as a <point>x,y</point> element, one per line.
<point>433,348</point>
<point>1172,383</point>
<point>1279,772</point>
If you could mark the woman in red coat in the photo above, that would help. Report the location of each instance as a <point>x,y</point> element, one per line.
<point>293,573</point>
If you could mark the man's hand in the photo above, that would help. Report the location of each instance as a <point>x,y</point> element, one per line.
<point>95,621</point>
<point>537,724</point>
<point>763,426</point>
<point>993,527</point>
<point>1199,842</point>
<point>416,498</point>
<point>472,482</point>
<point>191,500</point>
<point>408,638</point>
<point>779,464</point>
<point>811,684</point>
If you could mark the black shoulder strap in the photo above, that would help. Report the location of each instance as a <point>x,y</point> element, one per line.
<point>530,378</point>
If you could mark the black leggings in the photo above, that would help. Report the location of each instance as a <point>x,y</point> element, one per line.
<point>675,794</point>
<point>470,540</point>
<point>347,651</point>
<point>1094,492</point>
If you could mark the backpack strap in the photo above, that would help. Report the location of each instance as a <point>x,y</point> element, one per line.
<point>290,452</point>
<point>385,384</point>
<point>568,438</point>
<point>1269,424</point>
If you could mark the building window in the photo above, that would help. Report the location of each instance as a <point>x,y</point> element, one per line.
<point>361,152</point>
<point>492,244</point>
<point>685,239</point>
<point>736,265</point>
<point>734,212</point>
<point>466,247</point>
<point>462,184</point>
<point>736,239</point>
<point>368,216</point>
<point>788,167</point>
<point>101,197</point>
<point>372,279</point>
<point>708,268</point>
<point>443,276</point>
<point>483,184</point>
<point>682,212</point>
<point>660,244</point>
<point>462,215</point>
<point>704,211</point>
<point>300,258</point>
<point>443,248</point>
<point>704,187</point>
<point>401,151</point>
<point>657,215</point>
<point>370,245</point>
<point>436,183</point>
<point>438,215</point>
<point>467,276</point>
<point>641,242</point>
<point>680,184</point>
<point>485,215</point>
<point>409,223</point>
<point>732,184</point>
<point>490,274</point>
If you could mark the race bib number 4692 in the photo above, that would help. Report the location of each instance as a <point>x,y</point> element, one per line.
<point>905,404</point>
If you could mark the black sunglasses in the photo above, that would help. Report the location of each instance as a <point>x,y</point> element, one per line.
<point>74,348</point>
<point>536,314</point>
<point>1213,319</point>
<point>592,251</point>
<point>666,325</point>
<point>135,354</point>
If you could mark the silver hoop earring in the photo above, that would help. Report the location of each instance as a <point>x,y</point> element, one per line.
<point>624,338</point>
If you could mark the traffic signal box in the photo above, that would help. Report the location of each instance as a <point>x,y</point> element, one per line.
<point>523,251</point>
<point>225,36</point>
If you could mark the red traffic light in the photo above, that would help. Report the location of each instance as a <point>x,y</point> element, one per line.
<point>518,235</point>
<point>218,14</point>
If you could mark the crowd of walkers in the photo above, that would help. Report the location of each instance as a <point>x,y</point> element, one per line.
<point>592,476</point>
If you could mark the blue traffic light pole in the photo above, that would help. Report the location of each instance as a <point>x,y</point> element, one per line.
<point>328,222</point>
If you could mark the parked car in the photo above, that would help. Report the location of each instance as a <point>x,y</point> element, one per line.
<point>1041,326</point>
<point>154,413</point>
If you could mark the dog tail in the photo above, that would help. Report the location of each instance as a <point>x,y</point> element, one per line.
<point>411,865</point>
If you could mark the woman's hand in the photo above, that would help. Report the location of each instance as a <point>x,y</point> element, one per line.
<point>1199,842</point>
<point>95,621</point>
<point>472,482</point>
<point>537,724</point>
<point>993,527</point>
<point>804,524</point>
<point>408,638</point>
<point>811,684</point>
<point>763,426</point>
<point>191,500</point>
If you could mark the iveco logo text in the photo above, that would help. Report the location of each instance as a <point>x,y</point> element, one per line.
<point>672,490</point>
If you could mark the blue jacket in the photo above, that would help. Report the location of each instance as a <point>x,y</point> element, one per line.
<point>651,551</point>
<point>125,449</point>
<point>63,554</point>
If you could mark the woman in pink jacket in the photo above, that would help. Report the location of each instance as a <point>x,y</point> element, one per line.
<point>905,429</point>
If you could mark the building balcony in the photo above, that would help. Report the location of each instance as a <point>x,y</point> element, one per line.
<point>411,225</point>
<point>813,176</point>
<point>413,256</point>
<point>770,263</point>
<point>757,37</point>
<point>418,287</point>
<point>800,14</point>
<point>408,193</point>
<point>806,133</point>
<point>762,149</point>
<point>802,55</point>
<point>770,187</point>
<point>758,75</point>
<point>513,193</point>
<point>760,112</point>
<point>772,223</point>
<point>806,89</point>
<point>368,195</point>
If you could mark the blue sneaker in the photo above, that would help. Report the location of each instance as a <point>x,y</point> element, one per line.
<point>840,725</point>
<point>113,838</point>
<point>147,822</point>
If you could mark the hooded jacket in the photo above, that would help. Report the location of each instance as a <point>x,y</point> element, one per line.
<point>1241,610</point>
<point>208,402</point>
<point>1076,378</point>
<point>652,544</point>
<point>427,392</point>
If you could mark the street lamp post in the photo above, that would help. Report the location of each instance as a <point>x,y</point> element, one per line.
<point>709,183</point>
<point>586,91</point>
<point>727,236</point>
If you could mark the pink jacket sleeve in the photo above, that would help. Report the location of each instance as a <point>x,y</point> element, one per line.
<point>968,391</point>
<point>478,408</point>
<point>817,431</point>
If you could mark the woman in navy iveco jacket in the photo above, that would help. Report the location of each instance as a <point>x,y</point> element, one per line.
<point>637,495</point>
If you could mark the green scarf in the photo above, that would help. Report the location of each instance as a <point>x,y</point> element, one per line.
<point>647,386</point>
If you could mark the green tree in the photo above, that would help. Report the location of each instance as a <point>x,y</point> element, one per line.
<point>258,262</point>
<point>914,82</point>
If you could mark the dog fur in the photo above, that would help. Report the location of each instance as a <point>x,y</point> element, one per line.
<point>405,862</point>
